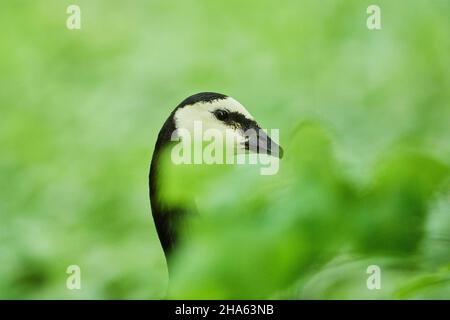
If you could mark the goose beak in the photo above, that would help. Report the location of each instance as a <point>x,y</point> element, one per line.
<point>259,142</point>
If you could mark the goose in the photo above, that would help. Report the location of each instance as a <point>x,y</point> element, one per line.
<point>214,111</point>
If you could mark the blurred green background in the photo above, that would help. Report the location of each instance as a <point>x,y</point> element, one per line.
<point>363,117</point>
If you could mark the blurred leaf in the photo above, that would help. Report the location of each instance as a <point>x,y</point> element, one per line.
<point>393,210</point>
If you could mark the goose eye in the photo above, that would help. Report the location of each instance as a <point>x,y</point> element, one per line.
<point>221,115</point>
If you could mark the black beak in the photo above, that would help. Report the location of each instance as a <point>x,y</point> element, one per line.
<point>259,142</point>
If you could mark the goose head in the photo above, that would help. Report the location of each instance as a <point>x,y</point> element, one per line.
<point>226,117</point>
<point>214,111</point>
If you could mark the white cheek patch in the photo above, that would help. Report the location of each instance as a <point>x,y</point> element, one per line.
<point>231,105</point>
<point>203,111</point>
<point>198,119</point>
<point>202,138</point>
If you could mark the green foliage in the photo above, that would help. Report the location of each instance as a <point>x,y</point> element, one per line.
<point>363,117</point>
<point>278,230</point>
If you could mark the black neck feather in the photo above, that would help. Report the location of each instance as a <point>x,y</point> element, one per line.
<point>168,218</point>
<point>164,216</point>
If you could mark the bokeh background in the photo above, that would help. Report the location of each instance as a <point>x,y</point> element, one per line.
<point>364,121</point>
